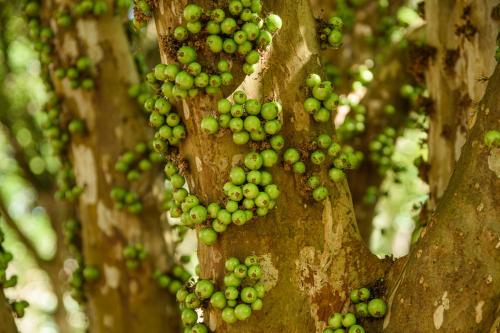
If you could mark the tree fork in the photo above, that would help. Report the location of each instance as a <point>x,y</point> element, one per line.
<point>311,253</point>
<point>449,281</point>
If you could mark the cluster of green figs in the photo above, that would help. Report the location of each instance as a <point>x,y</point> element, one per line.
<point>365,306</point>
<point>250,192</point>
<point>242,294</point>
<point>237,30</point>
<point>331,33</point>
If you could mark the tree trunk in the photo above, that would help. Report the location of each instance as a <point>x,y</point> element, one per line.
<point>450,280</point>
<point>312,253</point>
<point>122,300</point>
<point>465,57</point>
<point>7,324</point>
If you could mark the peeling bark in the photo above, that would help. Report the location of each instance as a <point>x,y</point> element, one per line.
<point>450,282</point>
<point>465,45</point>
<point>121,300</point>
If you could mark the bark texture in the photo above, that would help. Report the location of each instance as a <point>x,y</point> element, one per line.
<point>311,253</point>
<point>451,279</point>
<point>463,34</point>
<point>7,324</point>
<point>121,300</point>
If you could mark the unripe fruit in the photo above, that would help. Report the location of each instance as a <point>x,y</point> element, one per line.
<point>291,155</point>
<point>226,78</point>
<point>214,43</point>
<point>186,55</point>
<point>210,125</point>
<point>242,311</point>
<point>248,69</point>
<point>217,15</point>
<point>311,105</point>
<point>253,161</point>
<point>192,12</point>
<point>257,305</point>
<point>231,293</point>
<point>218,300</point>
<point>252,30</point>
<point>237,176</point>
<point>252,107</point>
<point>90,273</point>
<point>322,115</point>
<point>265,39</point>
<point>235,7</point>
<point>348,320</point>
<point>240,37</point>
<point>313,80</point>
<point>224,106</point>
<point>229,46</point>
<point>251,260</point>
<point>335,320</point>
<point>241,138</point>
<point>320,193</point>
<point>184,81</point>
<point>377,308</point>
<point>229,316</point>
<point>231,264</point>
<point>324,141</point>
<point>322,91</point>
<point>252,57</point>
<point>318,157</point>
<point>208,236</point>
<point>273,23</point>
<point>299,167</point>
<point>239,97</point>
<point>362,309</point>
<point>180,33</point>
<point>254,272</point>
<point>492,139</point>
<point>248,294</point>
<point>269,158</point>
<point>356,329</point>
<point>189,316</point>
<point>273,191</point>
<point>228,26</point>
<point>241,271</point>
<point>335,38</point>
<point>364,294</point>
<point>204,289</point>
<point>336,175</point>
<point>194,27</point>
<point>198,214</point>
<point>199,328</point>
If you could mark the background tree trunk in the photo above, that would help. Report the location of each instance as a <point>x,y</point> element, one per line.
<point>122,300</point>
<point>465,44</point>
<point>7,324</point>
<point>450,280</point>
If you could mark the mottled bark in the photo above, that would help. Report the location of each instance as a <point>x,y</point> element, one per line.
<point>450,282</point>
<point>121,300</point>
<point>7,324</point>
<point>463,34</point>
<point>311,253</point>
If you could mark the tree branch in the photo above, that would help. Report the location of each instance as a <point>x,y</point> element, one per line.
<point>451,277</point>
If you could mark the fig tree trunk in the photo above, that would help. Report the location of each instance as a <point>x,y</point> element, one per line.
<point>7,324</point>
<point>311,253</point>
<point>121,299</point>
